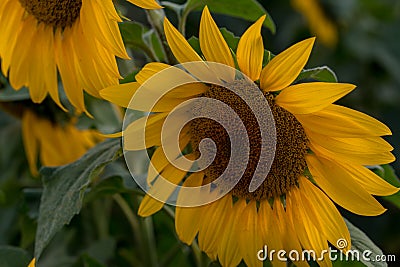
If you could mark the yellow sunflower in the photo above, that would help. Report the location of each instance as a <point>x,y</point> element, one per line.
<point>321,153</point>
<point>77,38</point>
<point>54,144</point>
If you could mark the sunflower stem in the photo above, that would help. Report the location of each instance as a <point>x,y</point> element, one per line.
<point>200,260</point>
<point>148,228</point>
<point>134,223</point>
<point>156,19</point>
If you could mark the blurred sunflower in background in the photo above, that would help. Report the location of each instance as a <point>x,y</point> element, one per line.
<point>320,25</point>
<point>321,153</point>
<point>79,39</point>
<point>50,136</point>
<point>56,144</point>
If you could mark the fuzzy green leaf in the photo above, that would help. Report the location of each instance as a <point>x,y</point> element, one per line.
<point>64,188</point>
<point>321,74</point>
<point>361,242</point>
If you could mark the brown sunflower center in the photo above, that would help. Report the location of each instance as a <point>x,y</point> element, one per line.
<point>56,13</point>
<point>289,162</point>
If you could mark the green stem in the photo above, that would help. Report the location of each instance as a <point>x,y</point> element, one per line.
<point>156,19</point>
<point>148,228</point>
<point>148,51</point>
<point>134,223</point>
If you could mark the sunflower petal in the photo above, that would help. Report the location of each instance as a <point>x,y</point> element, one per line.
<point>338,184</point>
<point>212,43</point>
<point>354,157</point>
<point>371,182</point>
<point>214,217</point>
<point>120,94</point>
<point>250,241</point>
<point>270,231</point>
<point>178,44</point>
<point>188,219</point>
<point>162,188</point>
<point>144,132</point>
<point>340,121</point>
<point>228,251</point>
<point>30,141</point>
<point>283,69</point>
<point>331,222</point>
<point>250,50</point>
<point>306,98</point>
<point>353,145</point>
<point>149,70</point>
<point>147,4</point>
<point>308,233</point>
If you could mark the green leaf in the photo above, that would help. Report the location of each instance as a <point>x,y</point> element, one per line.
<point>64,188</point>
<point>109,186</point>
<point>195,44</point>
<point>388,174</point>
<point>361,242</point>
<point>249,10</point>
<point>13,257</point>
<point>321,74</point>
<point>136,36</point>
<point>230,39</point>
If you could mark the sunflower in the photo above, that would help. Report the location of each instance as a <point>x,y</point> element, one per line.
<point>54,144</point>
<point>77,38</point>
<point>321,153</point>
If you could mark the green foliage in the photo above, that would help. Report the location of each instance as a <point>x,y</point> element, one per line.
<point>64,189</point>
<point>361,242</point>
<point>388,174</point>
<point>322,74</point>
<point>249,10</point>
<point>13,257</point>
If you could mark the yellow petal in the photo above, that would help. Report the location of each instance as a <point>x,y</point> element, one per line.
<point>120,94</point>
<point>159,160</point>
<point>228,251</point>
<point>338,184</point>
<point>371,182</point>
<point>93,19</point>
<point>30,141</point>
<point>178,44</point>
<point>368,145</point>
<point>250,241</point>
<point>212,43</point>
<point>147,4</point>
<point>322,209</point>
<point>183,91</point>
<point>67,68</point>
<point>308,231</point>
<point>270,230</point>
<point>306,98</point>
<point>283,69</point>
<point>144,132</point>
<point>250,50</point>
<point>188,219</point>
<point>287,232</point>
<point>340,121</point>
<point>214,217</point>
<point>32,263</point>
<point>353,157</point>
<point>149,70</point>
<point>161,189</point>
